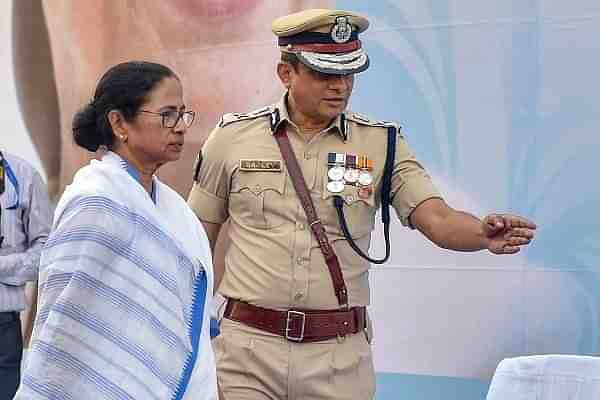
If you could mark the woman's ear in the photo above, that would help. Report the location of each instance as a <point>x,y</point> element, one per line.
<point>118,124</point>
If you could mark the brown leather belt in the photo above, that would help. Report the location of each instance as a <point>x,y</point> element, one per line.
<point>299,325</point>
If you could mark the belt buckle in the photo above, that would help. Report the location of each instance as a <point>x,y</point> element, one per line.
<point>290,315</point>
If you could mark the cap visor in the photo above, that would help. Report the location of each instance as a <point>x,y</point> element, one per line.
<point>336,64</point>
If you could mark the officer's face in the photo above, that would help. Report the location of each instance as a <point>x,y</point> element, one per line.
<point>321,97</point>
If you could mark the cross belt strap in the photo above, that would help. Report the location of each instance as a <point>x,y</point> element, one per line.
<point>309,208</point>
<point>298,325</point>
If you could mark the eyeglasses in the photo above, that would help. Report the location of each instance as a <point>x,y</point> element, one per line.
<point>171,118</point>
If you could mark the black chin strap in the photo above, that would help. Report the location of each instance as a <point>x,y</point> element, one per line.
<point>386,189</point>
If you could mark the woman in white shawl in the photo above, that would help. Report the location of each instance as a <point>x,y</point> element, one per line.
<point>126,276</point>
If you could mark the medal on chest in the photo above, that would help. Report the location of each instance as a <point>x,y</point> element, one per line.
<point>350,170</point>
<point>335,172</point>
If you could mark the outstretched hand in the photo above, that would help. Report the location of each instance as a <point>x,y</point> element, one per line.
<point>507,233</point>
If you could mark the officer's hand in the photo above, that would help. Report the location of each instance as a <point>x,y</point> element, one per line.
<point>507,233</point>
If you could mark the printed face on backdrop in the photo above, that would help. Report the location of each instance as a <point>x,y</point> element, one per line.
<point>223,51</point>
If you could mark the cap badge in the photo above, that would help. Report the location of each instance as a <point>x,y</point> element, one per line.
<point>341,30</point>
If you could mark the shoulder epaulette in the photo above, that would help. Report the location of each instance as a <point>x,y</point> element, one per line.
<point>361,119</point>
<point>235,117</point>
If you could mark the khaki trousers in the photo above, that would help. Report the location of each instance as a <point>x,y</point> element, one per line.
<point>256,365</point>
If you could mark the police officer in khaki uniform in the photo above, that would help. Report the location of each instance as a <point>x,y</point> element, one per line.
<point>295,325</point>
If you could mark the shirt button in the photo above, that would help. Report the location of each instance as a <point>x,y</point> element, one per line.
<point>349,198</point>
<point>307,155</point>
<point>301,260</point>
<point>257,188</point>
<point>298,296</point>
<point>300,226</point>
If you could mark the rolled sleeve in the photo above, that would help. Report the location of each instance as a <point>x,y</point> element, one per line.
<point>210,192</point>
<point>207,206</point>
<point>411,185</point>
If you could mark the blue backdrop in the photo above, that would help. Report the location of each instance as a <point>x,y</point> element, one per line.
<point>498,100</point>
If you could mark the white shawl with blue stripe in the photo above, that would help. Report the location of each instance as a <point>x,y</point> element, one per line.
<point>124,298</point>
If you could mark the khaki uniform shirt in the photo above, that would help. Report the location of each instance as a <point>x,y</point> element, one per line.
<point>274,260</point>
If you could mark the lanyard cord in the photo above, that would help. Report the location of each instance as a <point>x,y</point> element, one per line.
<point>386,189</point>
<point>11,178</point>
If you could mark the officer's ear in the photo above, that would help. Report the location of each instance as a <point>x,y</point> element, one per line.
<point>284,71</point>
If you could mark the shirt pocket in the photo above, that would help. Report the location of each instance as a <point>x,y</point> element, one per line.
<point>359,211</point>
<point>256,198</point>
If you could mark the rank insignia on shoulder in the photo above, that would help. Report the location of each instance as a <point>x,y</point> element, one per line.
<point>253,165</point>
<point>361,119</point>
<point>235,117</point>
<point>197,165</point>
<point>274,119</point>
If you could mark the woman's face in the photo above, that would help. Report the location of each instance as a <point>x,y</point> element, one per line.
<point>151,141</point>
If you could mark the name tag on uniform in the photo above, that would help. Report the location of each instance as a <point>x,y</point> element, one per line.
<point>260,165</point>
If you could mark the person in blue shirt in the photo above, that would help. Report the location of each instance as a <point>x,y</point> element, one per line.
<point>25,219</point>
